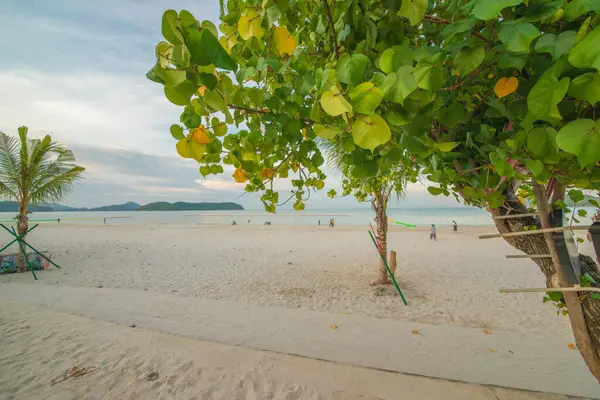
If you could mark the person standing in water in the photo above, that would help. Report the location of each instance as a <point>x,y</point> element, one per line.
<point>433,233</point>
<point>455,226</point>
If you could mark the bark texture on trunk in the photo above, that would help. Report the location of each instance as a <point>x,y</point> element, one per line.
<point>382,228</point>
<point>536,244</point>
<point>22,226</point>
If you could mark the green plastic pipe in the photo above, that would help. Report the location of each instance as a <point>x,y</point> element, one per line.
<point>23,235</point>
<point>388,269</point>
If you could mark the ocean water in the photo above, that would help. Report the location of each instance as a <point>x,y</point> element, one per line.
<point>440,216</point>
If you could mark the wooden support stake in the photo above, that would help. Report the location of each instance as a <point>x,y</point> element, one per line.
<point>393,262</point>
<point>543,290</point>
<point>536,231</point>
<point>516,216</point>
<point>529,256</point>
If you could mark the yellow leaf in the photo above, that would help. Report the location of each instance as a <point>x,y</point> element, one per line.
<point>216,74</point>
<point>304,134</point>
<point>334,103</point>
<point>521,199</point>
<point>249,26</point>
<point>190,149</point>
<point>228,42</point>
<point>571,346</point>
<point>416,332</point>
<point>201,90</point>
<point>491,350</point>
<point>200,136</point>
<point>240,176</point>
<point>334,326</point>
<point>487,332</point>
<point>285,43</point>
<point>506,86</point>
<point>267,173</point>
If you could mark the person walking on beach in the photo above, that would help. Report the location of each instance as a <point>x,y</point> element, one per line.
<point>455,226</point>
<point>319,223</point>
<point>433,234</point>
<point>332,223</point>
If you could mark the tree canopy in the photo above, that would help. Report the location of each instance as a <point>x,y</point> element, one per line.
<point>480,93</point>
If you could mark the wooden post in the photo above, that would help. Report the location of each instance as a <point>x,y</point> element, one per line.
<point>576,317</point>
<point>393,262</point>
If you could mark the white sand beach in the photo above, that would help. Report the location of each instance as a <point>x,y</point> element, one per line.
<point>280,289</point>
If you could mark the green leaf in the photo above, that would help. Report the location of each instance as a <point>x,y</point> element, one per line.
<point>414,10</point>
<point>576,196</point>
<point>545,95</point>
<point>396,118</point>
<point>489,9</point>
<point>164,53</point>
<point>205,49</point>
<point>350,68</point>
<point>170,76</point>
<point>517,36</point>
<point>575,8</point>
<point>446,147</point>
<point>586,87</point>
<point>405,84</point>
<point>334,103</point>
<point>468,58</point>
<point>170,27</point>
<point>535,166</point>
<point>542,142</point>
<point>366,97</point>
<point>503,168</point>
<point>209,26</point>
<point>215,101</point>
<point>541,10</point>
<point>177,132</point>
<point>434,190</point>
<point>219,128</point>
<point>582,138</point>
<point>556,45</point>
<point>181,94</point>
<point>370,131</point>
<point>326,132</point>
<point>586,54</point>
<point>459,26</point>
<point>428,73</point>
<point>385,82</point>
<point>395,57</point>
<point>181,56</point>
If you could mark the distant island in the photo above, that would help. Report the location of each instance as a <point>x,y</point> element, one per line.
<point>11,206</point>
<point>181,206</point>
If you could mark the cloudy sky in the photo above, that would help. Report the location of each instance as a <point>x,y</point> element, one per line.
<point>76,69</point>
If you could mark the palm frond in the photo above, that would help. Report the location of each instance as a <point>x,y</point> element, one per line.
<point>37,172</point>
<point>9,165</point>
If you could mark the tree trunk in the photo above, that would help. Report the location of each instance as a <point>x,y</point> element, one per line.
<point>382,227</point>
<point>536,244</point>
<point>22,226</point>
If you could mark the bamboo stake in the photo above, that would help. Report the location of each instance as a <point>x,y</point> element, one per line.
<point>536,231</point>
<point>516,216</point>
<point>565,289</point>
<point>529,256</point>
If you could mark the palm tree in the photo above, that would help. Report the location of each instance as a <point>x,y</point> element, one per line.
<point>378,188</point>
<point>34,171</point>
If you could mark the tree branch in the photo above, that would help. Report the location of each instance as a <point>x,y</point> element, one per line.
<point>332,26</point>
<point>263,112</point>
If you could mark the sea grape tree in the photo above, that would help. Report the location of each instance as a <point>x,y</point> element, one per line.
<point>482,94</point>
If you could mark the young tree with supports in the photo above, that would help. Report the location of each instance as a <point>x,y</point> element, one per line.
<point>34,171</point>
<point>482,94</point>
<point>377,189</point>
